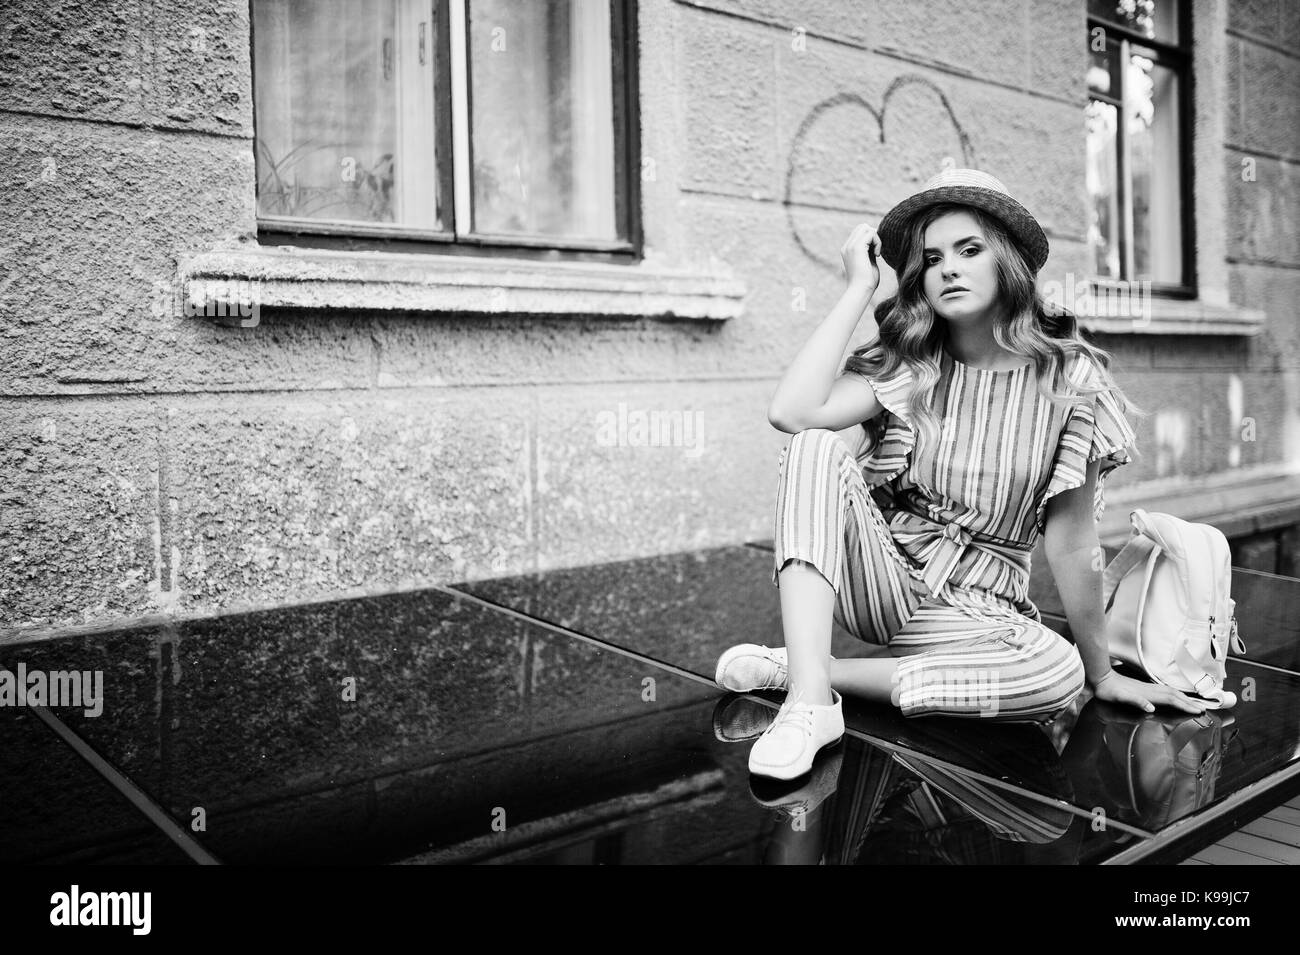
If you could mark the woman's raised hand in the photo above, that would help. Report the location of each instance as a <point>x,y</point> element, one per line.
<point>859,254</point>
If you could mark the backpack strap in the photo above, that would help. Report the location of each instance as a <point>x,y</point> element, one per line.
<point>1205,685</point>
<point>1234,638</point>
<point>1186,731</point>
<point>1135,551</point>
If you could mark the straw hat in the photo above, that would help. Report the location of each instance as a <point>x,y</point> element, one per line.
<point>972,188</point>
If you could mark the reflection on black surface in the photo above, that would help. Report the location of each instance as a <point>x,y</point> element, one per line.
<point>1148,770</point>
<point>864,805</point>
<point>461,711</point>
<point>688,608</point>
<point>906,811</point>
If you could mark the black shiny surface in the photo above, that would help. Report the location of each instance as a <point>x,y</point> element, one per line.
<point>57,810</point>
<point>479,733</point>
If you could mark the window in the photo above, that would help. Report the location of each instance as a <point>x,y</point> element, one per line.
<point>469,123</point>
<point>1138,142</point>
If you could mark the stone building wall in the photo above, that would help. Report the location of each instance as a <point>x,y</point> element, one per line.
<point>155,463</point>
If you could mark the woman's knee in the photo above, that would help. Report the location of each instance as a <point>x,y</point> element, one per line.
<point>1062,677</point>
<point>998,688</point>
<point>817,443</point>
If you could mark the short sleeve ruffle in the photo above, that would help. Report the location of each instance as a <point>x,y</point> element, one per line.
<point>1095,430</point>
<point>890,436</point>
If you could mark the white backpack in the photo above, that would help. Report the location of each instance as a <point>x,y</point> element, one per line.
<point>1168,609</point>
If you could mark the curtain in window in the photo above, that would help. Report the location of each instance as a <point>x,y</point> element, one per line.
<point>344,104</point>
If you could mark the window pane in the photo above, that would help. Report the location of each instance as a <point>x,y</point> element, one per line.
<point>1157,19</point>
<point>1103,190</point>
<point>1151,105</point>
<point>1103,66</point>
<point>344,105</point>
<point>542,129</point>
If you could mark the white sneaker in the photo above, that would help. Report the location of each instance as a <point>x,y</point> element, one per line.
<point>752,667</point>
<point>787,749</point>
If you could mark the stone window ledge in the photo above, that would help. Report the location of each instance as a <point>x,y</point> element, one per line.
<point>221,282</point>
<point>1238,503</point>
<point>1170,316</point>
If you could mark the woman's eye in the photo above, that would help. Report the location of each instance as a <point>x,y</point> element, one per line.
<point>934,259</point>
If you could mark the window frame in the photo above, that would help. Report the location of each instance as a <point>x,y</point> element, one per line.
<point>627,181</point>
<point>1178,57</point>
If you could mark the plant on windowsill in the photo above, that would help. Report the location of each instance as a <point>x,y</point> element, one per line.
<point>362,194</point>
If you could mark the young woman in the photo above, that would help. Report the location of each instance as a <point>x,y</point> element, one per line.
<point>989,421</point>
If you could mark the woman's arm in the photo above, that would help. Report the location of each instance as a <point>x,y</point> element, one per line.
<point>809,395</point>
<point>1077,560</point>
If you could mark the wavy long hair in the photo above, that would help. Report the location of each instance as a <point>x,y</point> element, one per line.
<point>1027,324</point>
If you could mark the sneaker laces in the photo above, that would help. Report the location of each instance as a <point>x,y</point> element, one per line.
<point>792,714</point>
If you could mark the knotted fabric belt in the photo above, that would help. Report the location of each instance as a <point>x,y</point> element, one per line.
<point>954,541</point>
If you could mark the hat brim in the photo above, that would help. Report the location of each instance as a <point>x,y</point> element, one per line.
<point>1024,228</point>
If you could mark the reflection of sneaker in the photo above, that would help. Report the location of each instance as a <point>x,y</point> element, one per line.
<point>790,744</point>
<point>752,667</point>
<point>800,798</point>
<point>737,719</point>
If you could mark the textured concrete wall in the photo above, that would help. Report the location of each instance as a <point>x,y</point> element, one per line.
<point>154,463</point>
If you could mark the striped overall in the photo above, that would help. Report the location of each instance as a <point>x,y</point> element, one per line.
<point>928,548</point>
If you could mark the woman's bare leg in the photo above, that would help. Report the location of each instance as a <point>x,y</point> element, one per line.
<point>807,611</point>
<point>807,606</point>
<point>870,679</point>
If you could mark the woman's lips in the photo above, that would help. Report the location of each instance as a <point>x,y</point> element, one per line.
<point>957,291</point>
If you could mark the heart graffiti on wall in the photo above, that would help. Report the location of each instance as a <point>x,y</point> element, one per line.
<point>891,152</point>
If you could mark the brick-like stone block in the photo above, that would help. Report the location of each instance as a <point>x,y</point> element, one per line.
<point>854,23</point>
<point>1222,352</point>
<point>728,100</point>
<point>603,491</point>
<point>1263,18</point>
<point>1240,421</point>
<point>418,351</point>
<point>988,41</point>
<point>1290,33</point>
<point>99,216</point>
<point>69,58</point>
<point>199,57</point>
<point>1267,432</point>
<point>1033,45</point>
<point>1275,291</point>
<point>281,498</point>
<point>1266,85</point>
<point>1169,438</point>
<point>1262,217</point>
<point>1057,48</point>
<point>79,513</point>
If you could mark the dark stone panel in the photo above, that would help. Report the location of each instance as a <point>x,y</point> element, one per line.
<point>58,810</point>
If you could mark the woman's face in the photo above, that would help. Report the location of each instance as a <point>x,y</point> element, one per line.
<point>956,255</point>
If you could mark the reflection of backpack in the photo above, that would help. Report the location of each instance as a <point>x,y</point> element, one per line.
<point>1164,768</point>
<point>1168,609</point>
